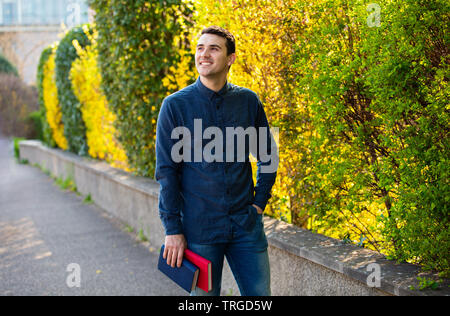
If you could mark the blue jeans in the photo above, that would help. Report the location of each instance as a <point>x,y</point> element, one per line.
<point>247,257</point>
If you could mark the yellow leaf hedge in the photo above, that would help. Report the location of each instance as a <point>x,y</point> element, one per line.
<point>50,97</point>
<point>264,33</point>
<point>100,131</point>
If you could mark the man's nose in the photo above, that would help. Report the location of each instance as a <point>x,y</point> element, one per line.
<point>204,53</point>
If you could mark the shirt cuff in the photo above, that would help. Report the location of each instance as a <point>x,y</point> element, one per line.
<point>172,225</point>
<point>261,200</point>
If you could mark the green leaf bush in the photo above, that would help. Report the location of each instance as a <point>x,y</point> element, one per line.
<point>7,67</point>
<point>379,101</point>
<point>138,43</point>
<point>74,127</point>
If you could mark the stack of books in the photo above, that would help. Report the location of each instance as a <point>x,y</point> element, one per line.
<point>195,271</point>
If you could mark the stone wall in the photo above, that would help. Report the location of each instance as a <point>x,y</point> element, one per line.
<point>23,47</point>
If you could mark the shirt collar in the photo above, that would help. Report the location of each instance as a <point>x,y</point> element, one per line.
<point>210,93</point>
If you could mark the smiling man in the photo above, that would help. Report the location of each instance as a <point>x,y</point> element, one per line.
<point>213,207</point>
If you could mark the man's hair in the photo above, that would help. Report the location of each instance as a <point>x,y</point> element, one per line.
<point>216,30</point>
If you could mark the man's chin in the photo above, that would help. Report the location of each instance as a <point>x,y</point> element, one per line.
<point>205,73</point>
<point>209,74</point>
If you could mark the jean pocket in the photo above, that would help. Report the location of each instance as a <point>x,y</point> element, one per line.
<point>258,216</point>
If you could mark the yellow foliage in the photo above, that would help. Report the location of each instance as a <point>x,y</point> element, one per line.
<point>179,77</point>
<point>52,107</point>
<point>99,120</point>
<point>262,30</point>
<point>266,32</point>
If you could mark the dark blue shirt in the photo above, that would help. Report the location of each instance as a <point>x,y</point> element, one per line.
<point>202,199</point>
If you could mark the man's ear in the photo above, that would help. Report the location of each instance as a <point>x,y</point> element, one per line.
<point>231,59</point>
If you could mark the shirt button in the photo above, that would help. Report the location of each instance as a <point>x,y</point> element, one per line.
<point>228,191</point>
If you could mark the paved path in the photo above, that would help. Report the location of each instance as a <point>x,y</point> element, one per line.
<point>44,229</point>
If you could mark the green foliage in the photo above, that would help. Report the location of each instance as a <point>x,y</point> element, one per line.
<point>427,284</point>
<point>46,131</point>
<point>36,119</point>
<point>16,141</point>
<point>7,67</point>
<point>88,199</point>
<point>74,127</point>
<point>379,100</point>
<point>137,45</point>
<point>410,79</point>
<point>67,184</point>
<point>141,236</point>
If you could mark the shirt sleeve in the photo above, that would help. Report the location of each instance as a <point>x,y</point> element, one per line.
<point>167,173</point>
<point>268,158</point>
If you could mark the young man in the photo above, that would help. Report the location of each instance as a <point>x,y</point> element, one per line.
<point>208,202</point>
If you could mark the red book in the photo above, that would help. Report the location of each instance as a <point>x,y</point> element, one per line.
<point>204,265</point>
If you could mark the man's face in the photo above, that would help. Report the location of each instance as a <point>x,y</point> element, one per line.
<point>211,57</point>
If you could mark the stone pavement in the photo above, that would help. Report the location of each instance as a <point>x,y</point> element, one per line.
<point>43,230</point>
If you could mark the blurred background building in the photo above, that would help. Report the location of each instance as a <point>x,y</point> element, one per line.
<point>28,26</point>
